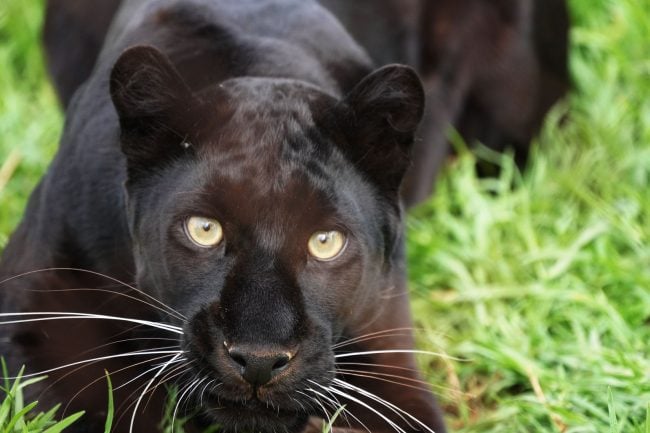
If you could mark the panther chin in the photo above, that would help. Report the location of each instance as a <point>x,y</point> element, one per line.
<point>252,416</point>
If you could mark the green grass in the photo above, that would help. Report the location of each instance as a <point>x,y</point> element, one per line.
<point>30,121</point>
<point>16,416</point>
<point>544,287</point>
<point>539,280</point>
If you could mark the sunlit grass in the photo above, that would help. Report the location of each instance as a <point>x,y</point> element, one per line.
<point>539,280</point>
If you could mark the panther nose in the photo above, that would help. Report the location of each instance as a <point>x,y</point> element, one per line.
<point>259,365</point>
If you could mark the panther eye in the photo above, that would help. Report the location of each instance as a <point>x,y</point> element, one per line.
<point>326,245</point>
<point>204,232</point>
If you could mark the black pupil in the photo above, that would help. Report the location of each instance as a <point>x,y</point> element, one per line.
<point>207,227</point>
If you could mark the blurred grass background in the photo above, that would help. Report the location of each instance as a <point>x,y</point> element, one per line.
<point>539,280</point>
<point>30,120</point>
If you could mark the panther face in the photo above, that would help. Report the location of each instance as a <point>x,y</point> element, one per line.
<point>265,211</point>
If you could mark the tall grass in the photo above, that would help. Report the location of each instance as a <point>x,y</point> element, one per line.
<point>539,280</point>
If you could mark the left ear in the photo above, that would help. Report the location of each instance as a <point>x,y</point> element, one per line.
<point>382,114</point>
<point>154,106</point>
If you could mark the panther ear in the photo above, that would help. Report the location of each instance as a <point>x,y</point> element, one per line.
<point>154,106</point>
<point>382,115</point>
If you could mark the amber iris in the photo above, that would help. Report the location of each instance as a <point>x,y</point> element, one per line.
<point>326,245</point>
<point>204,232</point>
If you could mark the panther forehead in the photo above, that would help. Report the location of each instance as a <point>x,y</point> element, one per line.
<point>258,99</point>
<point>270,133</point>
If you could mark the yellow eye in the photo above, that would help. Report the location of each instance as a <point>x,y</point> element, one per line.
<point>326,245</point>
<point>204,232</point>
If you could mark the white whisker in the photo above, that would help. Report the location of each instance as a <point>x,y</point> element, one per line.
<point>173,373</point>
<point>347,412</point>
<point>367,406</point>
<point>337,404</point>
<point>302,406</point>
<point>370,364</point>
<point>214,387</point>
<point>400,412</point>
<point>372,335</point>
<point>180,399</point>
<point>319,403</point>
<point>71,315</point>
<point>65,409</point>
<point>99,274</point>
<point>127,340</point>
<point>137,404</point>
<point>176,361</point>
<point>385,377</point>
<point>378,352</point>
<point>102,377</point>
<point>102,358</point>
<point>180,370</point>
<point>205,389</point>
<point>168,312</point>
<point>155,367</point>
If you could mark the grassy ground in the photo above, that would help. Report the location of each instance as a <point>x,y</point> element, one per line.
<point>542,288</point>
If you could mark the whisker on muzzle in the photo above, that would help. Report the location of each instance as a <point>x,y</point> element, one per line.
<point>379,352</point>
<point>103,358</point>
<point>113,372</point>
<point>155,303</point>
<point>405,416</point>
<point>394,332</point>
<point>346,395</point>
<point>148,385</point>
<point>50,315</point>
<point>336,404</point>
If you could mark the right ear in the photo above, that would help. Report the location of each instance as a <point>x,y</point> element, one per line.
<point>154,106</point>
<point>381,115</point>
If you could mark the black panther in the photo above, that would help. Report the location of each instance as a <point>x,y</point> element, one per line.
<point>224,213</point>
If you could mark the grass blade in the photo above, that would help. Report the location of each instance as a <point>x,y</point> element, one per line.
<point>19,417</point>
<point>613,422</point>
<point>111,407</point>
<point>64,423</point>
